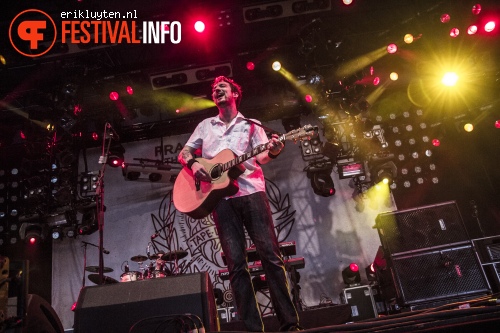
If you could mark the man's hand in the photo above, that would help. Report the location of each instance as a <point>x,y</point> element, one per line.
<point>200,173</point>
<point>275,145</point>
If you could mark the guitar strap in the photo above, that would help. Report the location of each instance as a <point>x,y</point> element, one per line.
<point>267,129</point>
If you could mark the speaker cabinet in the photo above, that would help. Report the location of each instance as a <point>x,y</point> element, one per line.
<point>421,228</point>
<point>146,305</point>
<point>437,275</point>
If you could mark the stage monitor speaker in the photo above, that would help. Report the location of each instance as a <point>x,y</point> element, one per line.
<point>421,228</point>
<point>147,305</point>
<point>41,317</point>
<point>437,275</point>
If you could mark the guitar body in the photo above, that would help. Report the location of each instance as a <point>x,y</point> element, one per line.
<point>200,202</point>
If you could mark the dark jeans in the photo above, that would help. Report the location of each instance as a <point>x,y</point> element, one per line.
<point>253,213</point>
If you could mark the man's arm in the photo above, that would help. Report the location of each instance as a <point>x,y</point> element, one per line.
<point>186,155</point>
<point>274,149</point>
<point>186,158</point>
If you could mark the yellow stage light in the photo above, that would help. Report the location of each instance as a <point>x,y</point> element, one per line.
<point>449,79</point>
<point>468,127</point>
<point>408,38</point>
<point>394,76</point>
<point>276,65</point>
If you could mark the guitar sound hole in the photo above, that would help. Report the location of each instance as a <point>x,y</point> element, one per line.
<point>216,172</point>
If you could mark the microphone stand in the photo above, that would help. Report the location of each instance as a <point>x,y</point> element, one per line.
<point>100,202</point>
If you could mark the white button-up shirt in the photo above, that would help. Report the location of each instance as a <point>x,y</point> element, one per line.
<point>241,136</point>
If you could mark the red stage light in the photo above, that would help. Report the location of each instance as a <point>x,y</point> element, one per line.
<point>476,9</point>
<point>472,29</point>
<point>308,98</point>
<point>113,96</point>
<point>489,26</point>
<point>376,81</point>
<point>354,267</point>
<point>250,66</point>
<point>436,142</point>
<point>32,240</point>
<point>73,307</point>
<point>445,18</point>
<point>199,26</point>
<point>130,90</point>
<point>497,124</point>
<point>95,136</point>
<point>392,48</point>
<point>454,32</point>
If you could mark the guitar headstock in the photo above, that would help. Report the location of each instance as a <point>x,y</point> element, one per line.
<point>299,134</point>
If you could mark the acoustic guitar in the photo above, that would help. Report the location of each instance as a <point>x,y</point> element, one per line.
<point>198,199</point>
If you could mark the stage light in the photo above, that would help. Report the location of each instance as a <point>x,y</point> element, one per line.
<point>89,222</point>
<point>88,183</point>
<point>250,66</point>
<point>56,234</point>
<point>116,156</point>
<point>32,233</point>
<point>468,127</point>
<point>489,26</point>
<point>155,173</point>
<point>436,142</point>
<point>114,96</point>
<point>449,79</point>
<point>347,2</point>
<point>130,90</point>
<point>308,98</point>
<point>322,183</point>
<point>497,124</point>
<point>394,76</point>
<point>454,32</point>
<point>385,173</point>
<point>472,29</point>
<point>392,48</point>
<point>476,9</point>
<point>408,38</point>
<point>445,18</point>
<point>351,276</point>
<point>276,66</point>
<point>376,81</point>
<point>2,60</point>
<point>199,26</point>
<point>370,272</point>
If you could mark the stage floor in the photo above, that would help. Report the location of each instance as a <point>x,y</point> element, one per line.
<point>480,317</point>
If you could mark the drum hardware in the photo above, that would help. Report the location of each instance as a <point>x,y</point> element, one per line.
<point>174,255</point>
<point>107,279</point>
<point>139,258</point>
<point>95,269</point>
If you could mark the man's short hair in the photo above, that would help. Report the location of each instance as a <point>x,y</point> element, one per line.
<point>235,87</point>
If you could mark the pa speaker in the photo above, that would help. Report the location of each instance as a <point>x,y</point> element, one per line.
<point>420,228</point>
<point>41,317</point>
<point>438,275</point>
<point>147,305</point>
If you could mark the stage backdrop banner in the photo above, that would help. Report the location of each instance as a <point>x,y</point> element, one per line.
<point>330,232</point>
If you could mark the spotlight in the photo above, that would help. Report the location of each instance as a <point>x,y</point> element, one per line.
<point>88,183</point>
<point>321,181</point>
<point>276,66</point>
<point>385,173</point>
<point>32,233</point>
<point>392,48</point>
<point>56,234</point>
<point>89,222</point>
<point>351,276</point>
<point>370,272</point>
<point>116,156</point>
<point>199,26</point>
<point>114,96</point>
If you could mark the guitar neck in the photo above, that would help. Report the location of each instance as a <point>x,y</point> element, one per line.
<point>242,158</point>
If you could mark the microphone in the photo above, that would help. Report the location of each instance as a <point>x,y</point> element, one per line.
<point>113,133</point>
